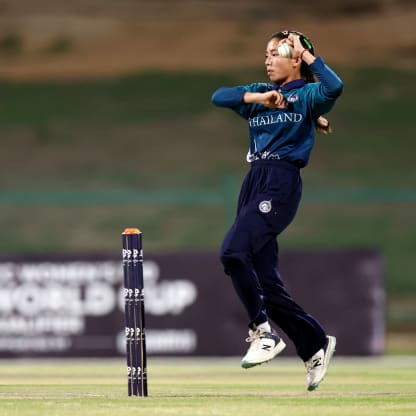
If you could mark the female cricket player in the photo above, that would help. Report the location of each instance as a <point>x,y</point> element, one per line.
<point>282,116</point>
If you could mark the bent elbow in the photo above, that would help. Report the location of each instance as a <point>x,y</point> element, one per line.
<point>228,97</point>
<point>334,91</point>
<point>339,88</point>
<point>216,97</point>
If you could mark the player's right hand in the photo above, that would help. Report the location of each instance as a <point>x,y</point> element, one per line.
<point>274,99</point>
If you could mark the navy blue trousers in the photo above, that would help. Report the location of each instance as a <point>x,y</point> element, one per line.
<point>268,202</point>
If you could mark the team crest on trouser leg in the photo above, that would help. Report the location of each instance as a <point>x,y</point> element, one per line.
<point>265,206</point>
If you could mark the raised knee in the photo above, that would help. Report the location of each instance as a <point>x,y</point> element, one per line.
<point>232,260</point>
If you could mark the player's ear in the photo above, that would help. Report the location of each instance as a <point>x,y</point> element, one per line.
<point>296,62</point>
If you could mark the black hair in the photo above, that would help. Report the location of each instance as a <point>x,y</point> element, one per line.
<point>305,71</point>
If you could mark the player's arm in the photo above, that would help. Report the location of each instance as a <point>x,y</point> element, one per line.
<point>299,50</point>
<point>228,96</point>
<point>330,87</point>
<point>270,99</point>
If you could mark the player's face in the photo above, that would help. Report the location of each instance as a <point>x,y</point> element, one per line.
<point>279,69</point>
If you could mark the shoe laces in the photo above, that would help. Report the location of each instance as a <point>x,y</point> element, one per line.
<point>253,335</point>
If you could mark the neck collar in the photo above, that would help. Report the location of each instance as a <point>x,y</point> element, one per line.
<point>297,83</point>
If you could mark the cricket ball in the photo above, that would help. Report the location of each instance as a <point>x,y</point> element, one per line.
<point>285,50</point>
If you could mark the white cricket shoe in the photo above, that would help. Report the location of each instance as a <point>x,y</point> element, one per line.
<point>317,366</point>
<point>264,347</point>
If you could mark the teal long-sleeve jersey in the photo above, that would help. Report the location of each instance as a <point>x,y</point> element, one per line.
<point>288,133</point>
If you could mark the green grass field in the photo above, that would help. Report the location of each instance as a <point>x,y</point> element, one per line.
<point>215,386</point>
